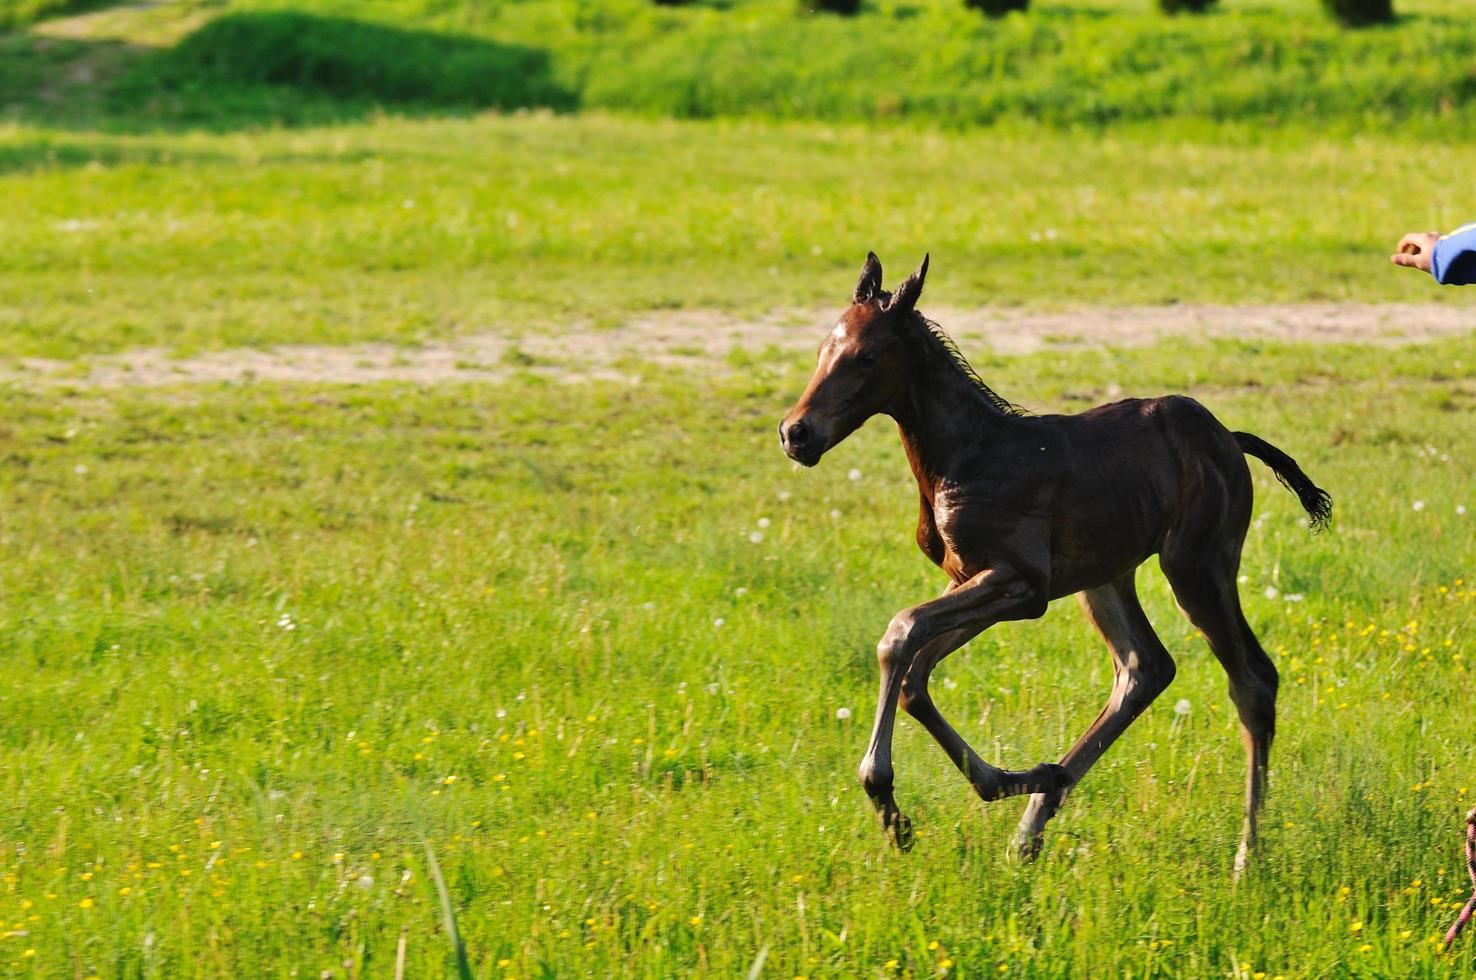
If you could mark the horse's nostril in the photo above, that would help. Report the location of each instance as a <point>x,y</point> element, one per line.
<point>799,434</point>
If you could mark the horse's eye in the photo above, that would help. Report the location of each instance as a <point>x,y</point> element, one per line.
<point>868,358</point>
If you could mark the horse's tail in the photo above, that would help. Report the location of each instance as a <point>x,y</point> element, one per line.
<point>1316,501</point>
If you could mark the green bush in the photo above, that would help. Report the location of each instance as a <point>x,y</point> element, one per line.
<point>1185,6</point>
<point>846,7</point>
<point>997,8</point>
<point>1361,13</point>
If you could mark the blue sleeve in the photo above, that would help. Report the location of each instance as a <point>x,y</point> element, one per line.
<point>1454,260</point>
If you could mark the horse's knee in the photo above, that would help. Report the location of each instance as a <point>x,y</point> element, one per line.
<point>876,779</point>
<point>1255,702</point>
<point>1266,673</point>
<point>894,651</point>
<point>1161,674</point>
<point>1138,684</point>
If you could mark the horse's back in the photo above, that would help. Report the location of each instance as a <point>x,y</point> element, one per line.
<point>1133,469</point>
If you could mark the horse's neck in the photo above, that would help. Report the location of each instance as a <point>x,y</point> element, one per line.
<point>940,417</point>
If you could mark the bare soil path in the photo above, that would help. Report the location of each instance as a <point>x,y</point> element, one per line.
<point>699,341</point>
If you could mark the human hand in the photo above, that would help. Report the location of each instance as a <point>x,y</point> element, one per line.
<point>1416,250</point>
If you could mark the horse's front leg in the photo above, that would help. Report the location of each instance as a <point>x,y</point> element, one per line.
<point>876,766</point>
<point>921,636</point>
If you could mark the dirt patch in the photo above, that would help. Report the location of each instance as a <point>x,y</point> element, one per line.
<point>146,23</point>
<point>701,340</point>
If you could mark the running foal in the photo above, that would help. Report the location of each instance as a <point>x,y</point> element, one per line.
<point>1019,510</point>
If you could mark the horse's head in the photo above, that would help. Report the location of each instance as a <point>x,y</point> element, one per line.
<point>862,366</point>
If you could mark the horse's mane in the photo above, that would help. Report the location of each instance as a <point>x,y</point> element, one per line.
<point>934,334</point>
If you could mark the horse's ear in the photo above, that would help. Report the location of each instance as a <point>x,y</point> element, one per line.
<point>905,299</point>
<point>869,285</point>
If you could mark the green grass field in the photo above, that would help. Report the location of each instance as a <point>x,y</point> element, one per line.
<point>600,644</point>
<point>592,643</point>
<point>138,228</point>
<point>413,230</point>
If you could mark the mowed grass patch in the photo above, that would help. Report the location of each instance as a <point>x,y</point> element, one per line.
<point>592,642</point>
<point>406,230</point>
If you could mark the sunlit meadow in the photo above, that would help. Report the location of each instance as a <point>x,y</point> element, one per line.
<point>612,656</point>
<point>597,649</point>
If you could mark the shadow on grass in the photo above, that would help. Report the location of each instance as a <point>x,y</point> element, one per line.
<point>64,154</point>
<point>260,69</point>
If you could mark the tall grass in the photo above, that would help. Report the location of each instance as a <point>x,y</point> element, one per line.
<point>264,61</point>
<point>1066,67</point>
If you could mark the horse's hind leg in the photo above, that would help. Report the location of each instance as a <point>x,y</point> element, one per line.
<point>1141,669</point>
<point>1204,585</point>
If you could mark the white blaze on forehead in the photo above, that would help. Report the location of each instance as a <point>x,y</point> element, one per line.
<point>834,341</point>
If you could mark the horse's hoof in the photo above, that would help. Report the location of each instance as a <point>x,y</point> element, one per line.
<point>1025,848</point>
<point>1242,862</point>
<point>900,832</point>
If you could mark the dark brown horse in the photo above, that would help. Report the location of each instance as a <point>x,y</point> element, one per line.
<point>1019,510</point>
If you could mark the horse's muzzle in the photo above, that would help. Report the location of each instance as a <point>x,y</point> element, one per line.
<point>801,441</point>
